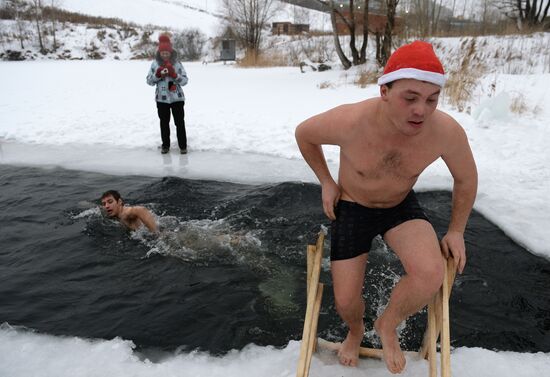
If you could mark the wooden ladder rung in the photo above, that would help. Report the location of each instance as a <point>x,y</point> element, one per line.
<point>438,320</point>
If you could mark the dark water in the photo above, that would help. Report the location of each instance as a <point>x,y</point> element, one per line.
<point>229,267</point>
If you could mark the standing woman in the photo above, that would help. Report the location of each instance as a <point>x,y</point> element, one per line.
<point>168,74</point>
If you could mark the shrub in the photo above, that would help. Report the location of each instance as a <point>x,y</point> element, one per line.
<point>189,43</point>
<point>14,55</point>
<point>145,48</point>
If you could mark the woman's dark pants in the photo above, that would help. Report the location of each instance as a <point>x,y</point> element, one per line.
<point>178,113</point>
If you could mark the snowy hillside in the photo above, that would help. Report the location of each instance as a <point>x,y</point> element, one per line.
<point>125,29</point>
<point>177,14</point>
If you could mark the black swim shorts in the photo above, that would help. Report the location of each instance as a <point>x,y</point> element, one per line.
<point>355,226</point>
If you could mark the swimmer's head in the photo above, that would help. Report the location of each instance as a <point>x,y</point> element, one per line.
<point>112,203</point>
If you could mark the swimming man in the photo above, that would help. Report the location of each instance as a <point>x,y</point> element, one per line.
<point>131,217</point>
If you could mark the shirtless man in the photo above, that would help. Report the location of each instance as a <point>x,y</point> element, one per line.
<point>131,217</point>
<point>385,144</point>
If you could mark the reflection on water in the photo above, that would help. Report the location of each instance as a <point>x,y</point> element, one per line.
<point>228,267</point>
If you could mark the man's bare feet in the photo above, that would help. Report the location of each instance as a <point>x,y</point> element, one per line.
<point>349,350</point>
<point>393,356</point>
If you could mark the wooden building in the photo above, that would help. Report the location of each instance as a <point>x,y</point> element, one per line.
<point>376,23</point>
<point>288,28</point>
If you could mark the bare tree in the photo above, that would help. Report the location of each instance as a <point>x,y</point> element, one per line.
<point>248,19</point>
<point>53,5</point>
<point>363,50</point>
<point>530,13</point>
<point>448,24</point>
<point>436,12</point>
<point>423,16</point>
<point>453,7</point>
<point>384,43</point>
<point>38,9</point>
<point>427,14</point>
<point>348,19</point>
<point>18,7</point>
<point>486,15</point>
<point>341,55</point>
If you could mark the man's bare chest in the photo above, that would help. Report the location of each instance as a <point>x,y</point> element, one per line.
<point>378,162</point>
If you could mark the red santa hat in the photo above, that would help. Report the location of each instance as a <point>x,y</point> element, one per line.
<point>164,43</point>
<point>417,61</point>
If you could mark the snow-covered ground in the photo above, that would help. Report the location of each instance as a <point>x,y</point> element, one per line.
<point>100,116</point>
<point>29,354</point>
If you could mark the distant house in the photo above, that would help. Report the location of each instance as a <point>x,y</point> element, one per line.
<point>288,28</point>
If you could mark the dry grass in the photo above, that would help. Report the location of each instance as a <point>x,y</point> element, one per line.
<point>518,104</point>
<point>325,85</point>
<point>79,18</point>
<point>251,60</point>
<point>365,78</point>
<point>463,80</point>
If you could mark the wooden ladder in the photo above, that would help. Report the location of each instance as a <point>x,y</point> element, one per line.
<point>438,320</point>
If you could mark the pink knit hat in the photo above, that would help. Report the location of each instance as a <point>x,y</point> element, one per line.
<point>164,43</point>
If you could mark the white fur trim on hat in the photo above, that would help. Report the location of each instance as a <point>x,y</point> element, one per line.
<point>413,73</point>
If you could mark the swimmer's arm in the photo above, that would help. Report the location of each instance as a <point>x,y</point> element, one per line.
<point>460,161</point>
<point>146,218</point>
